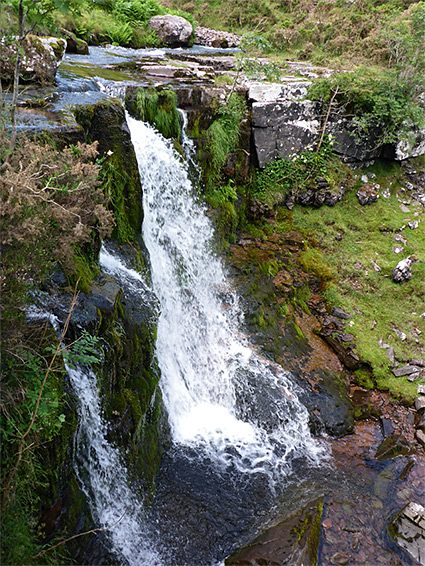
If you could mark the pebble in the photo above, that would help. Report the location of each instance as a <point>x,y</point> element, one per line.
<point>340,558</point>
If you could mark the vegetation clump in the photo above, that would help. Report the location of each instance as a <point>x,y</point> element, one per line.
<point>159,108</point>
<point>223,136</point>
<point>282,177</point>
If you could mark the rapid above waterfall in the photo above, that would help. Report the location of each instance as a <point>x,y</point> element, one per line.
<point>221,397</point>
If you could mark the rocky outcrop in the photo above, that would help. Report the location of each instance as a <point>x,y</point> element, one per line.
<point>215,38</point>
<point>173,31</point>
<point>105,123</point>
<point>74,44</point>
<point>40,59</point>
<point>284,123</point>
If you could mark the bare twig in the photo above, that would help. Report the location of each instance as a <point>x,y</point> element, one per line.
<point>91,531</point>
<point>326,119</point>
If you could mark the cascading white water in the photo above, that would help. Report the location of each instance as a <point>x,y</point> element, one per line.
<point>210,377</point>
<point>103,478</point>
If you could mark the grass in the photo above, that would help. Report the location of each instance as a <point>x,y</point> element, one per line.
<point>351,249</point>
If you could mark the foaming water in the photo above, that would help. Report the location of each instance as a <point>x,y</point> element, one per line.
<point>210,376</point>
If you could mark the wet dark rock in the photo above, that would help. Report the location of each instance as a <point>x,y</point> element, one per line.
<point>105,293</point>
<point>293,542</point>
<point>328,404</point>
<point>393,446</point>
<point>407,529</point>
<point>173,31</point>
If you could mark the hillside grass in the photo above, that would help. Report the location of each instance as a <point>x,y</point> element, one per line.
<point>335,33</point>
<point>351,248</point>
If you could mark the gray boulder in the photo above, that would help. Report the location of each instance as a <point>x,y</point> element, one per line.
<point>173,31</point>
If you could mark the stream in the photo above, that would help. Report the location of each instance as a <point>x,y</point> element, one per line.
<point>241,455</point>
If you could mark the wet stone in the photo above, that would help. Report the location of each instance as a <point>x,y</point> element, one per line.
<point>293,542</point>
<point>393,446</point>
<point>407,529</point>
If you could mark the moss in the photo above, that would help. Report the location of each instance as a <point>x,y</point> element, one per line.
<point>364,378</point>
<point>81,269</point>
<point>105,122</point>
<point>158,106</point>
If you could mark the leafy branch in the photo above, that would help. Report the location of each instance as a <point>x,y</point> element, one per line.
<point>21,447</point>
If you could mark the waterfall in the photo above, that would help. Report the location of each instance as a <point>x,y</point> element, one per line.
<point>104,478</point>
<point>221,397</point>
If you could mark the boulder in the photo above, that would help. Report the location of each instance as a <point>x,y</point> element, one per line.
<point>407,529</point>
<point>173,31</point>
<point>40,60</point>
<point>75,44</point>
<point>215,38</point>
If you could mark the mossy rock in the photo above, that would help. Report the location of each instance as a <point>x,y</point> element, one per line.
<point>105,123</point>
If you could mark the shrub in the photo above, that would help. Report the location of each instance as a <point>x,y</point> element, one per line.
<point>282,176</point>
<point>223,135</point>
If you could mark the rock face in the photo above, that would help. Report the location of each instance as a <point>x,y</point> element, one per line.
<point>173,31</point>
<point>40,60</point>
<point>284,123</point>
<point>408,531</point>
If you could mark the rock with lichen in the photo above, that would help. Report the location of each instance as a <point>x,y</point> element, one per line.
<point>40,58</point>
